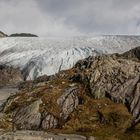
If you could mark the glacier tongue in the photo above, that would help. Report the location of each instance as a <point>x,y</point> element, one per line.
<point>39,56</point>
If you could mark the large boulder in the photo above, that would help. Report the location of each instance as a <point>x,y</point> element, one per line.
<point>28,117</point>
<point>28,114</point>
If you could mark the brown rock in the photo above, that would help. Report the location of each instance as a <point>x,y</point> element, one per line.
<point>68,101</point>
<point>28,117</point>
<point>49,121</point>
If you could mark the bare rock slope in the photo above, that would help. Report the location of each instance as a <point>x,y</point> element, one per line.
<point>99,96</point>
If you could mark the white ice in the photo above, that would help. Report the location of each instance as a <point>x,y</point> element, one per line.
<point>39,56</point>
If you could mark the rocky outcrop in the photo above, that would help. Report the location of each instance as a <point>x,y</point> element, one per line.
<point>114,76</point>
<point>31,115</point>
<point>132,54</point>
<point>99,94</point>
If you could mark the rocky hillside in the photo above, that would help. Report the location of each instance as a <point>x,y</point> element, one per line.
<point>99,96</point>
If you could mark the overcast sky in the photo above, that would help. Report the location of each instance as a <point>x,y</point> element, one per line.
<point>70,17</point>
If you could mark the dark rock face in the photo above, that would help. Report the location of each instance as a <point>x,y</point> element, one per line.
<point>9,75</point>
<point>134,105</point>
<point>134,53</point>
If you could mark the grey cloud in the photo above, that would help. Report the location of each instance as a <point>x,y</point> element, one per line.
<point>27,16</point>
<point>97,16</point>
<point>70,17</point>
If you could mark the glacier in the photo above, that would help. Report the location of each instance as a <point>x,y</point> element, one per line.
<point>38,56</point>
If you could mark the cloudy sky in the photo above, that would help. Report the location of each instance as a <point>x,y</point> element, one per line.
<point>70,17</point>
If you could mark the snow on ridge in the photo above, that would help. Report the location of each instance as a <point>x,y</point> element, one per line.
<point>39,56</point>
